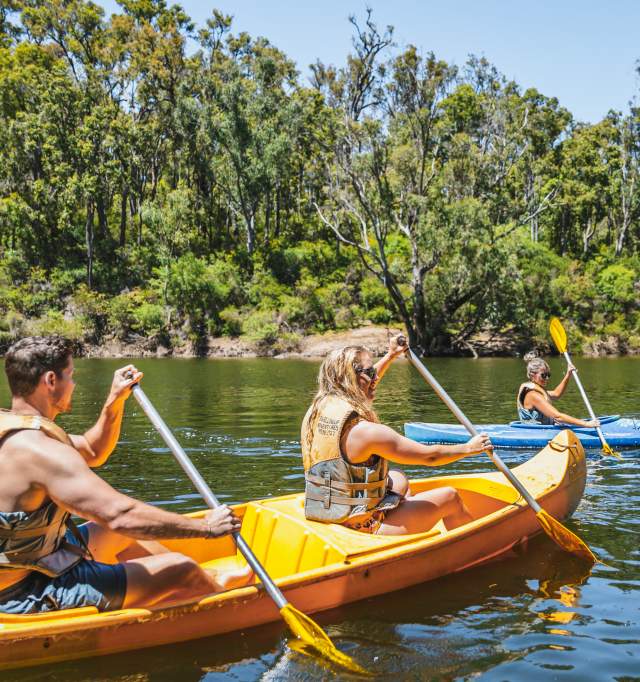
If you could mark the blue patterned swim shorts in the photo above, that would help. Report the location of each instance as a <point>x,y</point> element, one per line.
<point>89,583</point>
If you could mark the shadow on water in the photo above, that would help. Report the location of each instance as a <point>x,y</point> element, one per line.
<point>542,582</point>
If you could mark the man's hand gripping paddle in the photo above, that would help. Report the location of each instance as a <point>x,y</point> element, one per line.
<point>310,634</point>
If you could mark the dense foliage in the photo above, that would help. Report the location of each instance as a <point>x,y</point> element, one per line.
<point>151,190</point>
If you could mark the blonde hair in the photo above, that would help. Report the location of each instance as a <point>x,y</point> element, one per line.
<point>338,376</point>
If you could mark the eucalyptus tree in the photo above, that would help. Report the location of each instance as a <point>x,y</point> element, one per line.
<point>387,144</point>
<point>72,119</point>
<point>627,181</point>
<point>253,124</point>
<point>586,199</point>
<point>9,31</point>
<point>425,182</point>
<point>40,114</point>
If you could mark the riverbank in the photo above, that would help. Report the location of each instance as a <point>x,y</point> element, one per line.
<point>376,338</point>
<point>314,346</point>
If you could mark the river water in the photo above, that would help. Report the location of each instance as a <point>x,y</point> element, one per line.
<point>523,618</point>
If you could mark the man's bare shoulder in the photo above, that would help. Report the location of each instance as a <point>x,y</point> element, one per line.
<point>32,446</point>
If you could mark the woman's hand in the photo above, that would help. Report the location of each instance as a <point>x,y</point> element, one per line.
<point>397,346</point>
<point>592,423</point>
<point>571,368</point>
<point>478,444</point>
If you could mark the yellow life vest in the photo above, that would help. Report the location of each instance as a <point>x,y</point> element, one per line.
<point>36,540</point>
<point>335,489</point>
<point>531,415</point>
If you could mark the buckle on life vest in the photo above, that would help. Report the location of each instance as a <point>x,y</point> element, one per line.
<point>327,490</point>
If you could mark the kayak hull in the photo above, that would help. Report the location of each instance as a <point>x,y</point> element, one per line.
<point>618,432</point>
<point>317,566</point>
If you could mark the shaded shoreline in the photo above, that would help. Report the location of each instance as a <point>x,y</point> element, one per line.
<point>316,346</point>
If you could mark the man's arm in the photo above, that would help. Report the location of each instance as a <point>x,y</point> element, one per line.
<point>367,438</point>
<point>100,440</point>
<point>64,474</point>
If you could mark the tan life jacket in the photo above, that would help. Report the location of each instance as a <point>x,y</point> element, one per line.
<point>335,489</point>
<point>532,415</point>
<point>36,540</point>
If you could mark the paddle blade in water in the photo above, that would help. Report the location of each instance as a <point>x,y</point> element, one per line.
<point>312,636</point>
<point>606,448</point>
<point>564,537</point>
<point>558,334</point>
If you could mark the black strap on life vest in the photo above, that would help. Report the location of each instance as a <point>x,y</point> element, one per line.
<point>75,531</point>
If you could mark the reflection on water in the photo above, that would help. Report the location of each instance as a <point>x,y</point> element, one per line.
<point>529,615</point>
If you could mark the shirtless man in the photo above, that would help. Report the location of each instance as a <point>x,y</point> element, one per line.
<point>111,562</point>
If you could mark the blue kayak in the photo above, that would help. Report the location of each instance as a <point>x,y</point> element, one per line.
<point>618,431</point>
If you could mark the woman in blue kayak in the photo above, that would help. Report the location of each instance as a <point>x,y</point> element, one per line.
<point>535,402</point>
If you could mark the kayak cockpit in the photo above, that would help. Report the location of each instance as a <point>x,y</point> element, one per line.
<point>287,544</point>
<point>481,495</point>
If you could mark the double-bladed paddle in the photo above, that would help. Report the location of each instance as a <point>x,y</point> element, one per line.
<point>551,526</point>
<point>309,632</point>
<point>559,337</point>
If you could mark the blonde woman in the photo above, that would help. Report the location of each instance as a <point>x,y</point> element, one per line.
<point>534,402</point>
<point>346,453</point>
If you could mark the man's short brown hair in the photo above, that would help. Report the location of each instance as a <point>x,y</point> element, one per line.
<point>28,359</point>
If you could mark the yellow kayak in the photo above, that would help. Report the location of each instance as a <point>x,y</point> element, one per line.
<point>317,566</point>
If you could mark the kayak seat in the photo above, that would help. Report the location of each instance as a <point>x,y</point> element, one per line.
<point>287,543</point>
<point>227,563</point>
<point>480,495</point>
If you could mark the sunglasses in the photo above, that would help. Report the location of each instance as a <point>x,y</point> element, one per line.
<point>545,375</point>
<point>371,372</point>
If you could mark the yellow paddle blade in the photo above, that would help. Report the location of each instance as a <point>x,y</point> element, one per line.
<point>606,448</point>
<point>558,334</point>
<point>564,537</point>
<point>312,636</point>
<point>563,617</point>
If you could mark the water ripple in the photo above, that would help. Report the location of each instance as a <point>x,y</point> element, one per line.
<point>528,616</point>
